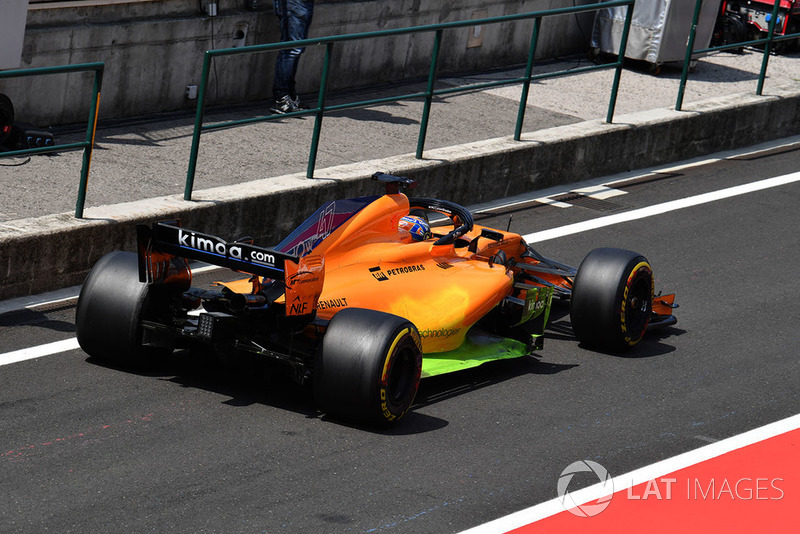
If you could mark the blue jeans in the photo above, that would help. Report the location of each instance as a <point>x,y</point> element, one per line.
<point>295,19</point>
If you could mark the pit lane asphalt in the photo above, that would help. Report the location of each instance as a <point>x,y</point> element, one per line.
<point>210,447</point>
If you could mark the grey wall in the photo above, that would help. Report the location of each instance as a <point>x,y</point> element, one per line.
<point>153,50</point>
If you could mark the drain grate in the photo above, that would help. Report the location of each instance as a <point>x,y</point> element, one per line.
<point>35,314</point>
<point>508,210</point>
<point>576,199</point>
<point>767,153</point>
<point>55,306</point>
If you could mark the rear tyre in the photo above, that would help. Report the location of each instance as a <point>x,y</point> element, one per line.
<point>108,318</point>
<point>368,366</point>
<point>612,298</point>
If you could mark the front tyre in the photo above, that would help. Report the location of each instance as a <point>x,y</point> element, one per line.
<point>612,298</point>
<point>368,366</point>
<point>108,318</point>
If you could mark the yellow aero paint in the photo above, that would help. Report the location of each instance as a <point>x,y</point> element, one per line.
<point>440,317</point>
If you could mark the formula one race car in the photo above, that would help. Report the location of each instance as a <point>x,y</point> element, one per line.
<point>363,299</point>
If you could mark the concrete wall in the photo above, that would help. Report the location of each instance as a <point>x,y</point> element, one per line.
<point>154,49</point>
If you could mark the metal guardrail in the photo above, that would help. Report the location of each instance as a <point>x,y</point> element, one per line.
<point>766,42</point>
<point>91,128</point>
<point>427,95</point>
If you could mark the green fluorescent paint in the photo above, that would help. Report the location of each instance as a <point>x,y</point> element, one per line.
<point>478,348</point>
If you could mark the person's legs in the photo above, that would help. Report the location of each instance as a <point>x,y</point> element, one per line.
<point>295,19</point>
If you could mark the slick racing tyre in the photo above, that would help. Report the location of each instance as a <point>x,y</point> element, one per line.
<point>108,318</point>
<point>612,298</point>
<point>368,366</point>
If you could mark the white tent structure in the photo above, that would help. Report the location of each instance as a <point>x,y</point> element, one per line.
<point>13,17</point>
<point>659,29</point>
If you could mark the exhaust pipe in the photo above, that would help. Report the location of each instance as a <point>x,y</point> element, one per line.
<point>241,301</point>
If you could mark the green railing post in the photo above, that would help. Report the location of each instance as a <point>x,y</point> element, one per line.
<point>91,130</point>
<point>623,44</point>
<point>323,89</point>
<point>426,109</point>
<point>523,100</point>
<point>198,127</point>
<point>688,58</point>
<point>767,48</point>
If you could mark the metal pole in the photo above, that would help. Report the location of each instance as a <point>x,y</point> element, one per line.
<point>612,103</point>
<point>688,58</point>
<point>198,127</point>
<point>323,89</point>
<point>426,110</point>
<point>91,130</point>
<point>523,101</point>
<point>767,48</point>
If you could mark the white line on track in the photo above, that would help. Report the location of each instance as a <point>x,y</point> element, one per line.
<point>639,476</point>
<point>659,209</point>
<point>599,192</point>
<point>40,351</point>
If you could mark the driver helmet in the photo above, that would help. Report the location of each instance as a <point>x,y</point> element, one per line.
<point>418,227</point>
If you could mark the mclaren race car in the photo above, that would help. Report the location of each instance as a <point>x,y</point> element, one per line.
<point>363,299</point>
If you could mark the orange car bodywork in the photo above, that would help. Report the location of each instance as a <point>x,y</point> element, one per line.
<point>368,262</point>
